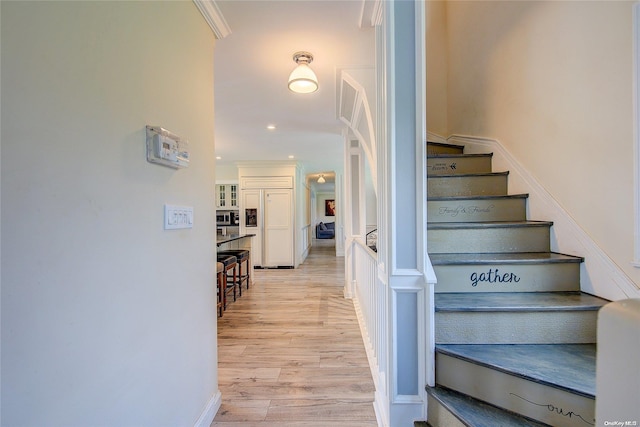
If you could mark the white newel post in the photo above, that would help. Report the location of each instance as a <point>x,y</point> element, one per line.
<point>405,213</point>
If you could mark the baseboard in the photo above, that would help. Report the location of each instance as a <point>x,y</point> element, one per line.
<point>432,137</point>
<point>210,411</point>
<point>599,276</point>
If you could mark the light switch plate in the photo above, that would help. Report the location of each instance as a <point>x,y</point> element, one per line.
<point>178,217</point>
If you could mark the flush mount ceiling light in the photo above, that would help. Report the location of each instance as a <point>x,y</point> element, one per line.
<point>321,180</point>
<point>303,79</point>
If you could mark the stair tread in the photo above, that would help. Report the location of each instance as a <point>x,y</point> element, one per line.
<point>478,197</point>
<point>487,224</point>
<point>570,367</point>
<point>473,412</point>
<point>465,175</point>
<point>518,301</point>
<point>445,144</point>
<point>458,156</point>
<point>502,258</point>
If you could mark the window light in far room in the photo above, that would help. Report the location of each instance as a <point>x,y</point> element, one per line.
<point>302,79</point>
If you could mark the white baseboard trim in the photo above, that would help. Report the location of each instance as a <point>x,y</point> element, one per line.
<point>380,402</point>
<point>210,411</point>
<point>599,275</point>
<point>432,137</point>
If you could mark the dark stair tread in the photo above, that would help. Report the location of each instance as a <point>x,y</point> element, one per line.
<point>476,413</point>
<point>465,175</point>
<point>487,224</point>
<point>445,144</point>
<point>503,258</point>
<point>518,301</point>
<point>569,367</point>
<point>478,197</point>
<point>458,156</point>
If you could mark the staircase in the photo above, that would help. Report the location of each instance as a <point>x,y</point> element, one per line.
<point>515,337</point>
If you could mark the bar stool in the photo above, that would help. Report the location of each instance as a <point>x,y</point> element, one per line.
<point>229,262</point>
<point>221,286</point>
<point>242,256</point>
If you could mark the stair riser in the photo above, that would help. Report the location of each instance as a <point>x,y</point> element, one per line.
<point>435,149</point>
<point>453,165</point>
<point>534,400</point>
<point>542,327</point>
<point>440,416</point>
<point>488,240</point>
<point>477,210</point>
<point>544,277</point>
<point>468,185</point>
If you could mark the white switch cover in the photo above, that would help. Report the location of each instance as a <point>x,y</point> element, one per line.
<point>178,217</point>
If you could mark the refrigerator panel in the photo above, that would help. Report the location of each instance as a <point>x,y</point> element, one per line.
<point>278,228</point>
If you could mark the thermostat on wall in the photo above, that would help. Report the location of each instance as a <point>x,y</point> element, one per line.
<point>166,149</point>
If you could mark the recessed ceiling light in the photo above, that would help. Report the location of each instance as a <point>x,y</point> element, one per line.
<point>271,127</point>
<point>291,156</point>
<point>218,158</point>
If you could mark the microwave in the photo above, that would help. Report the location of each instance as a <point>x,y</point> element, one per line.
<point>223,218</point>
<point>226,218</point>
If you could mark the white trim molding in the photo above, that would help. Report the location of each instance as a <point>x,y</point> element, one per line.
<point>214,18</point>
<point>599,275</point>
<point>210,411</point>
<point>636,132</point>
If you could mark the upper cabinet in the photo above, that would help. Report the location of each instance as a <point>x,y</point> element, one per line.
<point>227,196</point>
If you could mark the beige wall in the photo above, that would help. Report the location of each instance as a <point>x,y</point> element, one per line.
<point>107,319</point>
<point>552,81</point>
<point>437,58</point>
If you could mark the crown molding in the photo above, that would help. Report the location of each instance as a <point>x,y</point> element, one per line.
<point>214,18</point>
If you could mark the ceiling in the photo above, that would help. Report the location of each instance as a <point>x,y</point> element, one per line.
<point>251,69</point>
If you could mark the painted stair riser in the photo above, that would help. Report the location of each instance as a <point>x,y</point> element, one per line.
<point>547,277</point>
<point>439,416</point>
<point>433,149</point>
<point>467,185</point>
<point>542,327</point>
<point>489,240</point>
<point>550,405</point>
<point>477,210</point>
<point>458,165</point>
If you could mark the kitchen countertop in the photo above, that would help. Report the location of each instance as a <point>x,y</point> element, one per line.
<point>230,238</point>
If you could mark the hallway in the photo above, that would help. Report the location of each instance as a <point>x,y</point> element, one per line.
<point>291,353</point>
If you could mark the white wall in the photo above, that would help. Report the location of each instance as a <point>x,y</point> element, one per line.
<point>226,173</point>
<point>107,319</point>
<point>320,212</point>
<point>552,81</point>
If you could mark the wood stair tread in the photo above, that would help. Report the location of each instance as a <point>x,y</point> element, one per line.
<point>569,367</point>
<point>518,301</point>
<point>487,224</point>
<point>502,258</point>
<point>474,412</point>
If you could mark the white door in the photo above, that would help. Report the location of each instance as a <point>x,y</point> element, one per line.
<point>278,228</point>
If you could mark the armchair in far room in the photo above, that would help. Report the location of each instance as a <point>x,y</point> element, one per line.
<point>326,231</point>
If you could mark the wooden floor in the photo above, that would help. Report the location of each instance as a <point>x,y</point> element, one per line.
<point>291,353</point>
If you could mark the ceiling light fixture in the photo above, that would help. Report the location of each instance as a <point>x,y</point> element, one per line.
<point>321,180</point>
<point>302,79</point>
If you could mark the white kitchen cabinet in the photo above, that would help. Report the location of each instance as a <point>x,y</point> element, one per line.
<point>227,196</point>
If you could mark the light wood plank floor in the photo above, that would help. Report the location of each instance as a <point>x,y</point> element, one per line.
<point>291,352</point>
